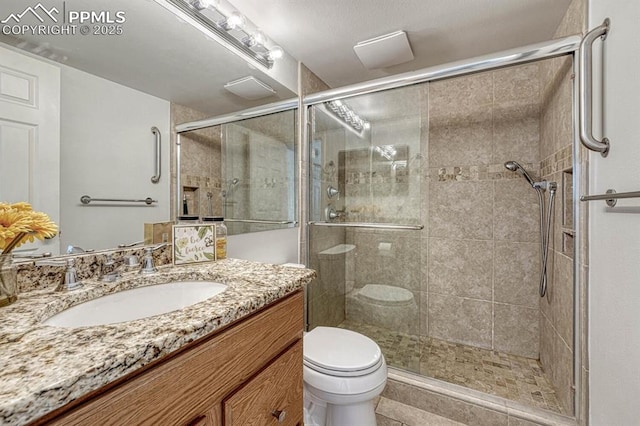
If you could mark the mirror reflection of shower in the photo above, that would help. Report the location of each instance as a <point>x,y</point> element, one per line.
<point>227,195</point>
<point>545,219</point>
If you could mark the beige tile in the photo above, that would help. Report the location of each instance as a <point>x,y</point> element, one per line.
<point>424,314</point>
<point>386,421</point>
<point>450,408</point>
<point>517,273</point>
<point>411,416</point>
<point>516,128</point>
<point>564,105</point>
<point>461,268</point>
<point>562,306</point>
<point>573,21</point>
<point>461,140</point>
<point>516,330</point>
<point>458,96</point>
<point>518,82</point>
<point>461,210</point>
<point>516,211</point>
<point>514,421</point>
<point>460,320</point>
<point>563,375</point>
<point>547,346</point>
<point>396,266</point>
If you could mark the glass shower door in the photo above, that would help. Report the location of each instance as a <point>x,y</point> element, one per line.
<point>366,158</point>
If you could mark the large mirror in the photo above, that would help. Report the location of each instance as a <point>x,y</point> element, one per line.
<point>77,112</point>
<point>243,170</point>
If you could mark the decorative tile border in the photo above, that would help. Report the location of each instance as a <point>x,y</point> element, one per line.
<point>558,161</point>
<point>475,173</point>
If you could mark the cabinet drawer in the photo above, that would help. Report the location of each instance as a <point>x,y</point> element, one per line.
<point>189,387</point>
<point>276,390</point>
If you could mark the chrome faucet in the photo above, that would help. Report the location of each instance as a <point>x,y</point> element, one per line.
<point>109,272</point>
<point>148,267</point>
<point>70,281</point>
<point>71,249</point>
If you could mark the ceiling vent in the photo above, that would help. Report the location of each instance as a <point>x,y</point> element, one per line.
<point>249,88</point>
<point>384,51</point>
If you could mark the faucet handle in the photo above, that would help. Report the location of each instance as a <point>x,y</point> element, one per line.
<point>70,281</point>
<point>148,267</point>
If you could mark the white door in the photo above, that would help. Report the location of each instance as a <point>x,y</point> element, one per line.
<point>30,136</point>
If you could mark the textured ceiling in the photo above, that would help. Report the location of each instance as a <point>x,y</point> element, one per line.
<point>322,33</point>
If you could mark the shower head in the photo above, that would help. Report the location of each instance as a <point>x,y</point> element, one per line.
<point>514,166</point>
<point>226,192</point>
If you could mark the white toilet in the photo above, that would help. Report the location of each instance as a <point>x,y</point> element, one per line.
<point>344,372</point>
<point>385,306</point>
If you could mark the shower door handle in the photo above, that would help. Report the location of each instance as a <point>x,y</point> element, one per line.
<point>585,100</point>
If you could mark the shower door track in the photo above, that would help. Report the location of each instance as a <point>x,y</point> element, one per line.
<point>368,225</point>
<point>520,55</point>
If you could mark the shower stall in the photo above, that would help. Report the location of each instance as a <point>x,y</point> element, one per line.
<point>427,239</point>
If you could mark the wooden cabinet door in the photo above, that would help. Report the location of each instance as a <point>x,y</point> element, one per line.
<point>274,392</point>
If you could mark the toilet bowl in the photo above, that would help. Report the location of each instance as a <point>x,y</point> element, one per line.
<point>386,306</point>
<point>344,372</point>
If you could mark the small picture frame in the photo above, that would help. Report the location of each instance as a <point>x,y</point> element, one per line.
<point>194,244</point>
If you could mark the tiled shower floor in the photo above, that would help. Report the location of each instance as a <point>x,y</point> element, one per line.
<point>516,378</point>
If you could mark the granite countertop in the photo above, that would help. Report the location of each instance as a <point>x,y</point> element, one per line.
<point>44,367</point>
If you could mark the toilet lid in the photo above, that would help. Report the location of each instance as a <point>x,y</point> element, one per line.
<point>386,294</point>
<point>339,352</point>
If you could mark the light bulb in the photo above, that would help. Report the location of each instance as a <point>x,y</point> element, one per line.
<point>204,4</point>
<point>275,52</point>
<point>259,37</point>
<point>235,20</point>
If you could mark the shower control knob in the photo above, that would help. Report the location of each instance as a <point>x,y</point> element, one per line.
<point>279,414</point>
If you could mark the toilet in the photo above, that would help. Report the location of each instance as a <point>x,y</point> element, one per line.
<point>344,372</point>
<point>386,306</point>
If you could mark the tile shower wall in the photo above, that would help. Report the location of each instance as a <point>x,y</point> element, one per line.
<point>556,127</point>
<point>473,270</point>
<point>200,163</point>
<point>259,152</point>
<point>482,238</point>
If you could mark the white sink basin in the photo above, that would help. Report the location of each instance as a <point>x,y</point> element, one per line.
<point>137,303</point>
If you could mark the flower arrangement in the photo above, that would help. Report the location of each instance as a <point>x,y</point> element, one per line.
<point>19,224</point>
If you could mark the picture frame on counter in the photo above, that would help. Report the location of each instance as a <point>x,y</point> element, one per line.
<point>193,244</point>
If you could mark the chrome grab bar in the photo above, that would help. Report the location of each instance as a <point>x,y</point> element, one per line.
<point>585,101</point>
<point>611,196</point>
<point>274,222</point>
<point>156,178</point>
<point>368,225</point>
<point>85,199</point>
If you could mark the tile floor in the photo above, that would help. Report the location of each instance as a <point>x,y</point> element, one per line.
<point>394,413</point>
<point>513,377</point>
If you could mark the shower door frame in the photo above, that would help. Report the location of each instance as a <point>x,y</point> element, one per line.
<point>567,46</point>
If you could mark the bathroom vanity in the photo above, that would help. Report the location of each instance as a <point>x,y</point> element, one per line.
<point>233,359</point>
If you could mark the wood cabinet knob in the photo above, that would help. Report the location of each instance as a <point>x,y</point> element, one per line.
<point>198,421</point>
<point>279,414</point>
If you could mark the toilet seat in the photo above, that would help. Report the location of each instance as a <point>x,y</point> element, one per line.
<point>341,353</point>
<point>387,295</point>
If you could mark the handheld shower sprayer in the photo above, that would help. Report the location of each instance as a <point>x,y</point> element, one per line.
<point>545,220</point>
<point>514,166</point>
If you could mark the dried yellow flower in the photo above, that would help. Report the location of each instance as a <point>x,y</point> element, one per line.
<point>19,218</point>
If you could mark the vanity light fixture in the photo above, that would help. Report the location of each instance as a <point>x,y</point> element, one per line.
<point>347,116</point>
<point>227,28</point>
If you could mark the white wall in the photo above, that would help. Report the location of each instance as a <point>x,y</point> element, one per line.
<point>614,279</point>
<point>277,246</point>
<point>107,151</point>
